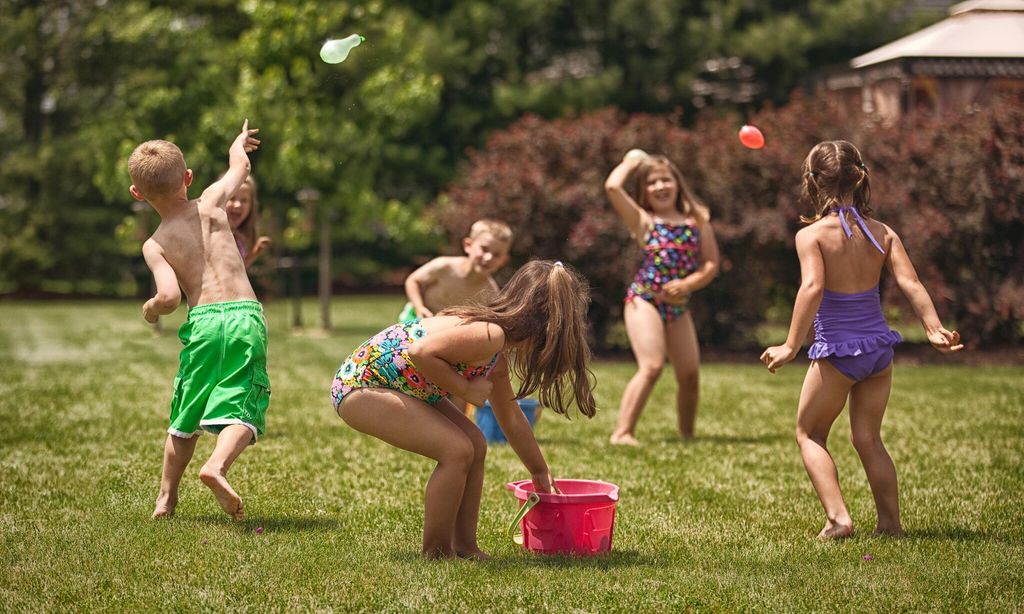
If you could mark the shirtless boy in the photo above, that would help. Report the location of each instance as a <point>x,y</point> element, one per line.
<point>222,384</point>
<point>448,281</point>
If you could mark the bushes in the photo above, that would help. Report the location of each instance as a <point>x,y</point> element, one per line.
<point>950,186</point>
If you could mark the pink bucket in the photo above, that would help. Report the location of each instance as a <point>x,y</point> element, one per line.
<point>579,521</point>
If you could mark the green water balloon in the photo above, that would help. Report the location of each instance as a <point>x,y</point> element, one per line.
<point>335,51</point>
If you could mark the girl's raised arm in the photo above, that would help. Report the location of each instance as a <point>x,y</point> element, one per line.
<point>631,213</point>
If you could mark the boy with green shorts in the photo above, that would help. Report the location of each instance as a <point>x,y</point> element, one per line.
<point>222,384</point>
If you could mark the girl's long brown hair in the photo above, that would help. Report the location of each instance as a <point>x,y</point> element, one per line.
<point>543,312</point>
<point>834,175</point>
<point>687,201</point>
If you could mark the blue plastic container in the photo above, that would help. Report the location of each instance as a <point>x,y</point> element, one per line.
<point>488,424</point>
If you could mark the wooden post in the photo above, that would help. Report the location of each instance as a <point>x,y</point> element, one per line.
<point>324,266</point>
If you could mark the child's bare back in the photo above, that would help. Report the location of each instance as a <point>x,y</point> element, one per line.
<point>198,244</point>
<point>851,266</point>
<point>222,387</point>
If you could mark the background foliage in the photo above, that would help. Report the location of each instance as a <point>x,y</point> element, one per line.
<point>950,186</point>
<point>381,135</point>
<point>83,81</point>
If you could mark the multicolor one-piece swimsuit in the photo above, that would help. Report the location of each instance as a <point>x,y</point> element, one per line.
<point>383,362</point>
<point>671,251</point>
<point>850,331</point>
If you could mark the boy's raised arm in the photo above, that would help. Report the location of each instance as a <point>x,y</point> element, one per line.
<point>168,293</point>
<point>238,166</point>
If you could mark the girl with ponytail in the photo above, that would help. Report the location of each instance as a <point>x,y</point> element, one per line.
<point>842,253</point>
<point>396,385</point>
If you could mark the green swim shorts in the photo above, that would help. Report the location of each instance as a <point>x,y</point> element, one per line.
<point>408,314</point>
<point>222,378</point>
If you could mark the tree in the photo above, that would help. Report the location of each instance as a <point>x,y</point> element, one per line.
<point>79,78</point>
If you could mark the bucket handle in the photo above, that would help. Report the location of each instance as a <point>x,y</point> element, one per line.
<point>513,529</point>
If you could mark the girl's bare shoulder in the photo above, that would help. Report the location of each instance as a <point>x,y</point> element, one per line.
<point>815,229</point>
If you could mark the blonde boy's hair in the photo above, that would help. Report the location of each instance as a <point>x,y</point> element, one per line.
<point>157,168</point>
<point>498,229</point>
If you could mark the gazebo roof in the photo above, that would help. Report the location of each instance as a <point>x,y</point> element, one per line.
<point>975,29</point>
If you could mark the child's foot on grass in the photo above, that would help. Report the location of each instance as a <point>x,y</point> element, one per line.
<point>624,440</point>
<point>165,505</point>
<point>228,499</point>
<point>889,531</point>
<point>836,530</point>
<point>472,554</point>
<point>439,554</point>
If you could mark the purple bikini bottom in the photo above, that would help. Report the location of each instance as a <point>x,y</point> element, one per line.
<point>852,334</point>
<point>863,366</point>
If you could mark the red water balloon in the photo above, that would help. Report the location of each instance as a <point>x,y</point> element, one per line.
<point>751,137</point>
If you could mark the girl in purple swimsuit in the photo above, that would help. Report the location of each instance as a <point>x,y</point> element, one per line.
<point>842,253</point>
<point>680,257</point>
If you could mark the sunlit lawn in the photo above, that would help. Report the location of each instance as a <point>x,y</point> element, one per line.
<point>725,523</point>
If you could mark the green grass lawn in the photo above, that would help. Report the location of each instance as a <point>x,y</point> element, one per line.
<point>724,523</point>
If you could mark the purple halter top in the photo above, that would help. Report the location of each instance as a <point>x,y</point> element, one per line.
<point>851,324</point>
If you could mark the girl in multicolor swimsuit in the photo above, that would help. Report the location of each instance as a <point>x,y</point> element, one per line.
<point>395,387</point>
<point>842,254</point>
<point>680,257</point>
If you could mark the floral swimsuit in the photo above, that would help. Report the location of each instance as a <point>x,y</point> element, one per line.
<point>383,362</point>
<point>671,251</point>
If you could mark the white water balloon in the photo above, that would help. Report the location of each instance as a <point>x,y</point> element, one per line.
<point>335,51</point>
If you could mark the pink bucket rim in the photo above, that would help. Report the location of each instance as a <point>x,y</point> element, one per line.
<point>522,493</point>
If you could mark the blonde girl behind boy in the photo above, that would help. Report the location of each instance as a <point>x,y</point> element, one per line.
<point>395,387</point>
<point>243,210</point>
<point>842,253</point>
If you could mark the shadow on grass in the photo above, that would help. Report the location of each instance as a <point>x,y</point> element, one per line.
<point>278,524</point>
<point>958,534</point>
<point>726,439</point>
<point>610,560</point>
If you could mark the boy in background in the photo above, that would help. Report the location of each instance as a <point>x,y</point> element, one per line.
<point>449,281</point>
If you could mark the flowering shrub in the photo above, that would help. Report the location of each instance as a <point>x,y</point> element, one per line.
<point>952,187</point>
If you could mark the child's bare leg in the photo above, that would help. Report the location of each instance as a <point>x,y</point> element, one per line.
<point>684,351</point>
<point>177,454</point>
<point>646,333</point>
<point>868,401</point>
<point>230,443</point>
<point>411,424</point>
<point>821,400</point>
<point>464,541</point>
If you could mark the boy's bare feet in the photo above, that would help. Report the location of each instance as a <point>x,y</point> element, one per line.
<point>624,440</point>
<point>165,505</point>
<point>836,530</point>
<point>229,500</point>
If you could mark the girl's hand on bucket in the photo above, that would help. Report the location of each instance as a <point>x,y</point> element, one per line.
<point>543,482</point>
